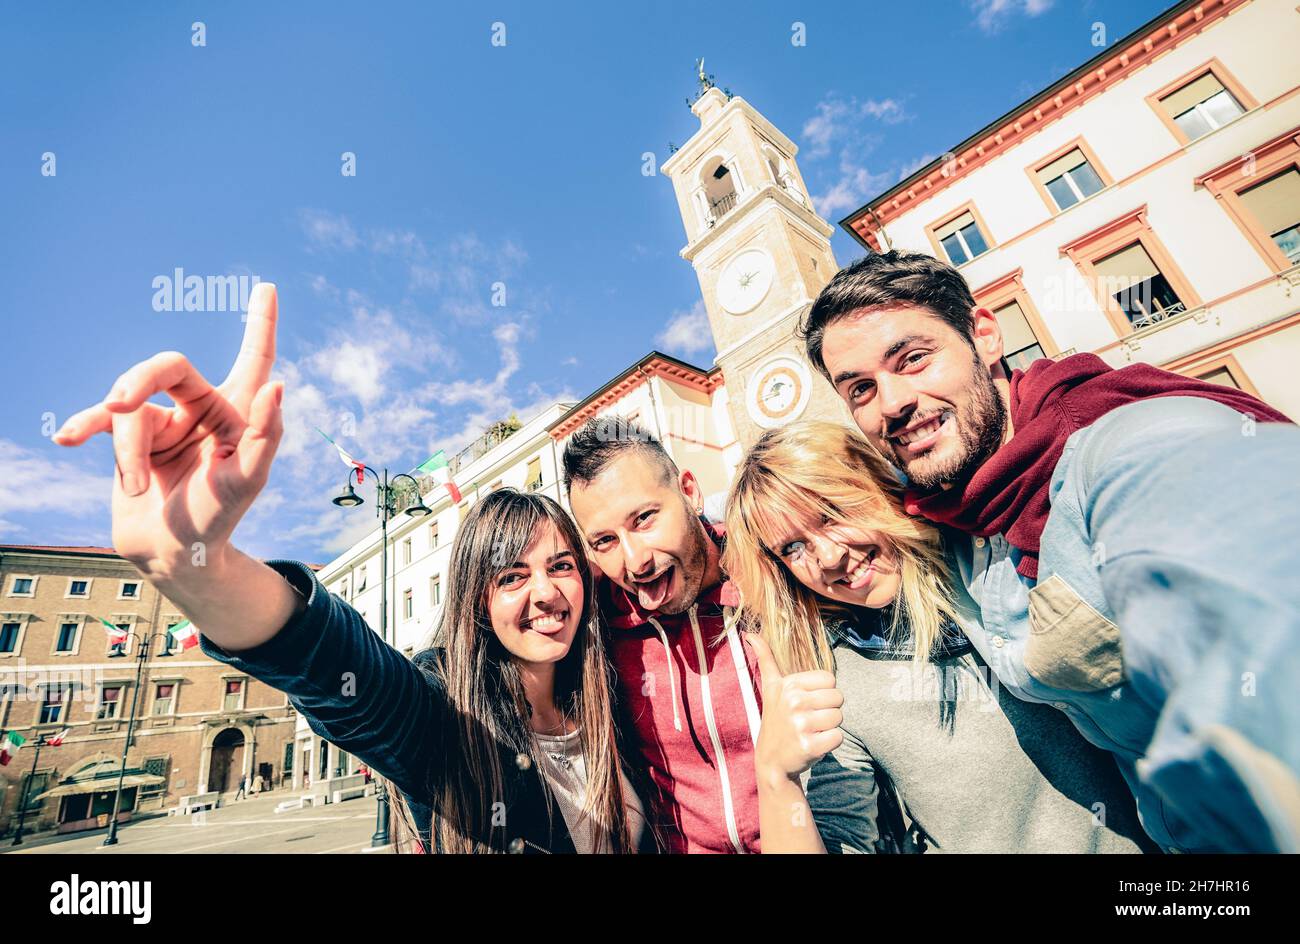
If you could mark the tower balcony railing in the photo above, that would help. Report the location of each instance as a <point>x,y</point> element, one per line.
<point>721,207</point>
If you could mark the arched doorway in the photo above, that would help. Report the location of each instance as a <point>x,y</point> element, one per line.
<point>227,764</point>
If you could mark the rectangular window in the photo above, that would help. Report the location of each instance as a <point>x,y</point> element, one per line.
<point>67,637</point>
<point>1221,375</point>
<point>1019,345</point>
<point>162,699</point>
<point>1201,106</point>
<point>961,239</point>
<point>1138,287</point>
<point>1070,179</point>
<point>361,579</point>
<point>22,587</point>
<point>234,690</point>
<point>408,604</point>
<point>1275,204</point>
<point>110,697</point>
<point>433,534</point>
<point>78,588</point>
<point>119,648</point>
<point>130,590</point>
<point>406,551</point>
<point>37,784</point>
<point>158,767</point>
<point>52,705</point>
<point>9,637</point>
<point>534,479</point>
<point>435,591</point>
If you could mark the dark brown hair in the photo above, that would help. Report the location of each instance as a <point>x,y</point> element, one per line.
<point>886,279</point>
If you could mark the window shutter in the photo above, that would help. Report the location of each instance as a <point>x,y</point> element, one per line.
<point>1061,165</point>
<point>1276,202</point>
<point>1016,333</point>
<point>1126,267</point>
<point>947,229</point>
<point>1191,94</point>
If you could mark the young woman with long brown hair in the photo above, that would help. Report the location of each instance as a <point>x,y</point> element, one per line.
<point>522,693</point>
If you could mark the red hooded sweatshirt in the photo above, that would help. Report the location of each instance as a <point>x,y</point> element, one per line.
<point>689,689</point>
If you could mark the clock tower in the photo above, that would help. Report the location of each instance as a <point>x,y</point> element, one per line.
<point>761,254</point>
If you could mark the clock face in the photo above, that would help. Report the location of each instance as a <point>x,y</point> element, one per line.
<point>745,281</point>
<point>778,392</point>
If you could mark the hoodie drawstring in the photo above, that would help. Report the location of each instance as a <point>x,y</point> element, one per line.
<point>752,713</point>
<point>672,678</point>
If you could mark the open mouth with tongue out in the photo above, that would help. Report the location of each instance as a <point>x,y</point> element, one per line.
<point>654,592</point>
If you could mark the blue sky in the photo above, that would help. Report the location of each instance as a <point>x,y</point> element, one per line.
<point>475,164</point>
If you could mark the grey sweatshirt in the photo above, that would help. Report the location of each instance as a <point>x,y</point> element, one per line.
<point>976,769</point>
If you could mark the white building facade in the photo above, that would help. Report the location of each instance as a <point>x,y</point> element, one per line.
<point>1144,207</point>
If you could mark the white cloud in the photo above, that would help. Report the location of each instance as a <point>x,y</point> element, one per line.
<point>61,486</point>
<point>687,332</point>
<point>841,121</point>
<point>992,15</point>
<point>854,186</point>
<point>326,230</point>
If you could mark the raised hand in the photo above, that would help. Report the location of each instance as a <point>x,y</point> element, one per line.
<point>801,716</point>
<point>187,474</point>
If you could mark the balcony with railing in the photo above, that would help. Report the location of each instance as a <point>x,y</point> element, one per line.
<point>721,207</point>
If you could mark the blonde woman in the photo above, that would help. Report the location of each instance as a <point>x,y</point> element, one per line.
<point>864,661</point>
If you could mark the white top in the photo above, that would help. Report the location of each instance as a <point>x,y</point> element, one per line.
<point>565,769</point>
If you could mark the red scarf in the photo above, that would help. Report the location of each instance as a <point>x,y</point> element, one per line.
<point>1008,494</point>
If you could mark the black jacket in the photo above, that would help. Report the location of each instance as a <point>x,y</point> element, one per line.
<point>366,698</point>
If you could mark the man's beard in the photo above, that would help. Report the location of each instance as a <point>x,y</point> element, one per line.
<point>980,424</point>
<point>690,569</point>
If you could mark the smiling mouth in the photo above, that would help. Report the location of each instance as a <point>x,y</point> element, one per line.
<point>923,435</point>
<point>547,624</point>
<point>862,573</point>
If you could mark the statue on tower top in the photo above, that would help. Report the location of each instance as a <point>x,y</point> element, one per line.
<point>706,82</point>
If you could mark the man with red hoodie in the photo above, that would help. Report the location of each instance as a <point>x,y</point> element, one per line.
<point>1129,536</point>
<point>687,683</point>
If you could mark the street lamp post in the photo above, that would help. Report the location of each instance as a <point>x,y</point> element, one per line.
<point>41,741</point>
<point>386,507</point>
<point>142,655</point>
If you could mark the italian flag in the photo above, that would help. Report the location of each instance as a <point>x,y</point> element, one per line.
<point>436,466</point>
<point>9,745</point>
<point>57,739</point>
<point>346,457</point>
<point>115,633</point>
<point>185,634</point>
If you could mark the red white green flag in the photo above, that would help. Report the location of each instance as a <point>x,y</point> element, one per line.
<point>346,457</point>
<point>116,634</point>
<point>57,739</point>
<point>9,745</point>
<point>436,466</point>
<point>185,634</point>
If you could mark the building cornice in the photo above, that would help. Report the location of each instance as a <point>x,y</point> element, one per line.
<point>652,365</point>
<point>1094,77</point>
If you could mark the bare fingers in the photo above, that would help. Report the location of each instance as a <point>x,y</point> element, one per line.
<point>169,372</point>
<point>252,368</point>
<point>81,426</point>
<point>133,436</point>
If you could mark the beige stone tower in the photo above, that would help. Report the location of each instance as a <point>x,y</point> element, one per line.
<point>761,253</point>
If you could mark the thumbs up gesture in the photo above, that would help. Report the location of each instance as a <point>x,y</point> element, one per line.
<point>801,716</point>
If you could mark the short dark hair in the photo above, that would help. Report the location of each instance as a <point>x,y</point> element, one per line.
<point>602,439</point>
<point>885,279</point>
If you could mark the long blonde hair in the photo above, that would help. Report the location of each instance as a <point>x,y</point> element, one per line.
<point>822,468</point>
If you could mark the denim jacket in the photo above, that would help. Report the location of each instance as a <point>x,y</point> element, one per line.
<point>1166,614</point>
